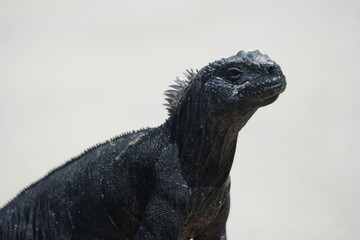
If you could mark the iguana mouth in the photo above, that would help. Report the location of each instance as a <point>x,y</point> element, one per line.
<point>279,86</point>
<point>263,87</point>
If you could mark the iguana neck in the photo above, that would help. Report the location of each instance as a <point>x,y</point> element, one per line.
<point>206,144</point>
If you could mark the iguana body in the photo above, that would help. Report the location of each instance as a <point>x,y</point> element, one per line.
<point>169,182</point>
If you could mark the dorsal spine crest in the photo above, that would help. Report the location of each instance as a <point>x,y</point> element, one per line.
<point>174,95</point>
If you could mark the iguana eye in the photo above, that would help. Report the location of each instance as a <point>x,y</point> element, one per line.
<point>234,73</point>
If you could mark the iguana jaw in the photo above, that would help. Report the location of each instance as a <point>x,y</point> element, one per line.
<point>263,89</point>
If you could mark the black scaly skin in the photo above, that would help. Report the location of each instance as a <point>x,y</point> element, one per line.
<point>168,182</point>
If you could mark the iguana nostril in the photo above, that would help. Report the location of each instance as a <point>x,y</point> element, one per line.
<point>271,69</point>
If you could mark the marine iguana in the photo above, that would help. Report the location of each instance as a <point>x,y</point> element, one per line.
<point>168,182</point>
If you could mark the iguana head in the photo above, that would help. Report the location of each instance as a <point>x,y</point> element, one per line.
<point>246,80</point>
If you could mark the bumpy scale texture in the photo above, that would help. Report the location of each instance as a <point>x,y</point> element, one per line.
<point>168,182</point>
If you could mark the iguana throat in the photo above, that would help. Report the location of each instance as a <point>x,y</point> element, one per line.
<point>206,146</point>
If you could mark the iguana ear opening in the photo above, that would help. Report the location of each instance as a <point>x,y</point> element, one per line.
<point>174,95</point>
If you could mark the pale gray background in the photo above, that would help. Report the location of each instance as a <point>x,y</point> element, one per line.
<point>74,73</point>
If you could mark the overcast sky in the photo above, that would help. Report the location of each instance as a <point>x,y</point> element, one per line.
<point>75,73</point>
